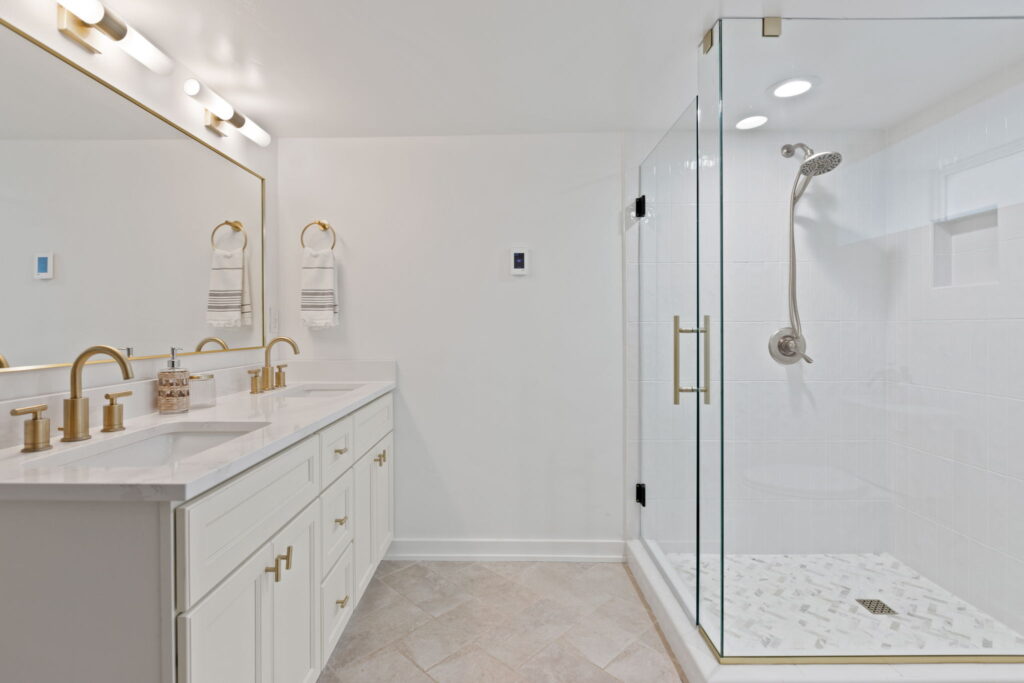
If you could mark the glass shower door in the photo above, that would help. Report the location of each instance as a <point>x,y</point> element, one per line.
<point>668,275</point>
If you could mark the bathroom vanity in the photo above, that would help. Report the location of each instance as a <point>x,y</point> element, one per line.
<point>229,544</point>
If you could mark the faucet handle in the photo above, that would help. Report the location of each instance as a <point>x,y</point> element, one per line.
<point>255,381</point>
<point>37,429</point>
<point>35,411</point>
<point>280,379</point>
<point>113,412</point>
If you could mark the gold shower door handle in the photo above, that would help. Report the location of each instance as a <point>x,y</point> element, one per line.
<point>706,331</point>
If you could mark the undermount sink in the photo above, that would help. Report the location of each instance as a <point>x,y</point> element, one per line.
<point>153,447</point>
<point>319,390</point>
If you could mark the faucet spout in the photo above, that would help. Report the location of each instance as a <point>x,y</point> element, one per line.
<point>79,364</point>
<point>3,362</point>
<point>76,407</point>
<point>268,374</point>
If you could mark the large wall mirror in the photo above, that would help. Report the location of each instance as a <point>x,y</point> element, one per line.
<point>119,206</point>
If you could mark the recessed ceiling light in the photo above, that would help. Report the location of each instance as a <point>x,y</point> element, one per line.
<point>792,87</point>
<point>751,122</point>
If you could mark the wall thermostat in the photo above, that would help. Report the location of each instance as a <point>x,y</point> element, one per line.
<point>519,262</point>
<point>43,266</point>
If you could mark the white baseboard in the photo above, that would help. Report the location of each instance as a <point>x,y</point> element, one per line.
<point>494,549</point>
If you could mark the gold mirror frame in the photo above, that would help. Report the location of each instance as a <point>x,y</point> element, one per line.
<point>221,153</point>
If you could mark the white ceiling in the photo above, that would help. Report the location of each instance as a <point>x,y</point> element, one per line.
<point>412,67</point>
<point>868,74</point>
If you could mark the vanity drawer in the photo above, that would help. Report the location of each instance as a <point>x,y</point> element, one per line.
<point>217,531</point>
<point>372,422</point>
<point>336,523</point>
<point>337,586</point>
<point>337,451</point>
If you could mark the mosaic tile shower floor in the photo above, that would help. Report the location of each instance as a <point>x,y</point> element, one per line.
<point>806,605</point>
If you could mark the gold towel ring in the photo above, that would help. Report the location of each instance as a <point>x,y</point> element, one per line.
<point>234,225</point>
<point>323,225</point>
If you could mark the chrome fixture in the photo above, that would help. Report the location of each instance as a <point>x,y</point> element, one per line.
<point>212,340</point>
<point>788,345</point>
<point>268,370</point>
<point>76,408</point>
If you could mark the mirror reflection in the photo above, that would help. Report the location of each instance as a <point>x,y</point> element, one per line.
<point>107,219</point>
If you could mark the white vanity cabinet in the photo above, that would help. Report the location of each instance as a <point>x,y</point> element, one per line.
<point>265,592</point>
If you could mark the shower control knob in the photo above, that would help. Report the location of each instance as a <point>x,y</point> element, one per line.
<point>786,347</point>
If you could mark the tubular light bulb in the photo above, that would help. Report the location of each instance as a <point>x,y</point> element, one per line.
<point>136,45</point>
<point>792,87</point>
<point>751,122</point>
<point>216,104</point>
<point>89,11</point>
<point>250,130</point>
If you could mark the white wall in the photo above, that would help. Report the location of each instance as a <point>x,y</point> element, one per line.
<point>509,407</point>
<point>163,94</point>
<point>955,389</point>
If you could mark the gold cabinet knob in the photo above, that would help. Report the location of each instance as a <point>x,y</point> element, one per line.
<point>341,521</point>
<point>343,602</point>
<point>385,454</point>
<point>276,569</point>
<point>379,459</point>
<point>340,451</point>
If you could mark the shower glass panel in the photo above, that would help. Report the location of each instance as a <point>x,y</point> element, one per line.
<point>668,300</point>
<point>871,502</point>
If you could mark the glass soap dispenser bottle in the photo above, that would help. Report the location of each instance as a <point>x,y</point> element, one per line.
<point>172,386</point>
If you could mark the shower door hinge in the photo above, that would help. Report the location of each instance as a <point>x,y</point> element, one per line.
<point>640,206</point>
<point>641,494</point>
<point>708,41</point>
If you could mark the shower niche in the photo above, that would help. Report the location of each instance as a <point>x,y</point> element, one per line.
<point>784,498</point>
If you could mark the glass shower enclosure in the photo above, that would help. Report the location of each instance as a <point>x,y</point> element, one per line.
<point>831,342</point>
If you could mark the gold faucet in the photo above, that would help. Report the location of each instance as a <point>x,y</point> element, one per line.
<point>212,340</point>
<point>76,408</point>
<point>268,371</point>
<point>3,362</point>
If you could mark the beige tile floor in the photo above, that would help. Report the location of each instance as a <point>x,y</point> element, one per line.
<point>498,622</point>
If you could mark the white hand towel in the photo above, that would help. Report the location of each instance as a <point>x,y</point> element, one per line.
<point>229,303</point>
<point>319,296</point>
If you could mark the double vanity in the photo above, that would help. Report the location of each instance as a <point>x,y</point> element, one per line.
<point>227,544</point>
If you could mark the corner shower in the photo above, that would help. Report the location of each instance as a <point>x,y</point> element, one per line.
<point>869,504</point>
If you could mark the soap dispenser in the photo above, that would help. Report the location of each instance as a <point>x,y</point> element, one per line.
<point>172,386</point>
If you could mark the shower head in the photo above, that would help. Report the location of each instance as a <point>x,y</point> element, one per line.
<point>820,164</point>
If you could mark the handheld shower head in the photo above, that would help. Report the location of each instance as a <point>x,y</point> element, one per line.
<point>820,164</point>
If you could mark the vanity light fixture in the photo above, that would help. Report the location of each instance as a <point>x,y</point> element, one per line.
<point>792,87</point>
<point>751,122</point>
<point>83,21</point>
<point>220,112</point>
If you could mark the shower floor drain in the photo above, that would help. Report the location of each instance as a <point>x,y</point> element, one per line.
<point>876,606</point>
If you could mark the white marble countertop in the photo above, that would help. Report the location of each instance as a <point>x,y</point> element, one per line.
<point>54,474</point>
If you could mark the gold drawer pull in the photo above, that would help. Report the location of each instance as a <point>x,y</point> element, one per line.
<point>341,521</point>
<point>276,569</point>
<point>287,557</point>
<point>385,455</point>
<point>379,460</point>
<point>340,451</point>
<point>343,602</point>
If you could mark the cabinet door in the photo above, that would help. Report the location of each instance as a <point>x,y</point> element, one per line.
<point>362,493</point>
<point>296,600</point>
<point>226,636</point>
<point>383,496</point>
<point>337,519</point>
